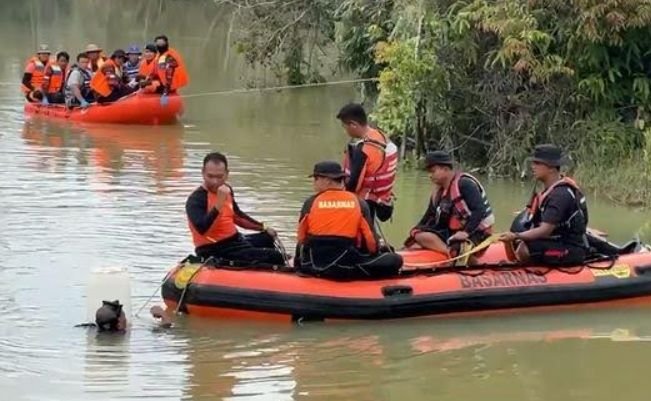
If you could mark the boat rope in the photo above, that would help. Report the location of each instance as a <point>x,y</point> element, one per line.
<point>278,88</point>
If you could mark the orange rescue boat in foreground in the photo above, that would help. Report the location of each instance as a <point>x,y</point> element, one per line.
<point>138,108</point>
<point>494,285</point>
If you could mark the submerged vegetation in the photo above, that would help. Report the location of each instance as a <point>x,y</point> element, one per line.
<point>487,78</point>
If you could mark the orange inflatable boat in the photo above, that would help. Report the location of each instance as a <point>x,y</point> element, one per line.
<point>493,285</point>
<point>138,108</point>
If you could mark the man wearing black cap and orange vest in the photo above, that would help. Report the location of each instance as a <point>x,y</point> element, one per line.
<point>213,218</point>
<point>458,209</point>
<point>335,238</point>
<point>557,217</point>
<point>371,160</point>
<point>108,82</point>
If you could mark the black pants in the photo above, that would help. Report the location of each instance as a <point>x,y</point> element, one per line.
<point>245,250</point>
<point>330,261</point>
<point>551,252</point>
<point>381,211</point>
<point>56,98</point>
<point>115,95</point>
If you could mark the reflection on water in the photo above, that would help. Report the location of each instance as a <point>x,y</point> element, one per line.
<point>75,198</point>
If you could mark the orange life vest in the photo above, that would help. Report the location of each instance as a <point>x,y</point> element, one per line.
<point>222,228</point>
<point>336,213</point>
<point>381,167</point>
<point>451,203</point>
<point>95,66</point>
<point>37,71</point>
<point>572,229</point>
<point>180,77</point>
<point>148,70</point>
<point>54,78</point>
<point>101,81</point>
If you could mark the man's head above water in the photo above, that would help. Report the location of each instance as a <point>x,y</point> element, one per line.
<point>110,317</point>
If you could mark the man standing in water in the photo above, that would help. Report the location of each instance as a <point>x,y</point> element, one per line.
<point>557,217</point>
<point>213,218</point>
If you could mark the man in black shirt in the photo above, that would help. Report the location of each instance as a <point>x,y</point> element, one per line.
<point>557,217</point>
<point>458,209</point>
<point>214,216</point>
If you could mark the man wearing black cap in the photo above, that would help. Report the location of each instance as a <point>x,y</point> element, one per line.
<point>108,82</point>
<point>557,217</point>
<point>335,238</point>
<point>458,210</point>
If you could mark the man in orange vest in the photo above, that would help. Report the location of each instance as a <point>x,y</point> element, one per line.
<point>147,72</point>
<point>213,218</point>
<point>96,56</point>
<point>54,79</point>
<point>371,160</point>
<point>458,210</point>
<point>335,235</point>
<point>171,69</point>
<point>108,82</point>
<point>557,217</point>
<point>34,73</point>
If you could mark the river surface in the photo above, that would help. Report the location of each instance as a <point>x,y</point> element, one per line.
<point>74,198</point>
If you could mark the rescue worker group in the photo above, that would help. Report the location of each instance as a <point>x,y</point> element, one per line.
<point>94,77</point>
<point>337,235</point>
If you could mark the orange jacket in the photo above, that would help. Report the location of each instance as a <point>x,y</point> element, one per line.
<point>223,227</point>
<point>35,67</point>
<point>106,78</point>
<point>378,174</point>
<point>54,79</point>
<point>171,70</point>
<point>148,70</point>
<point>336,213</point>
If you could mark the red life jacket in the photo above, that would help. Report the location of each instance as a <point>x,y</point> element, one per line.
<point>377,186</point>
<point>54,78</point>
<point>38,73</point>
<point>222,228</point>
<point>458,209</point>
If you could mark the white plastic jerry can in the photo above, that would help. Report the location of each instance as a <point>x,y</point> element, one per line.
<point>108,284</point>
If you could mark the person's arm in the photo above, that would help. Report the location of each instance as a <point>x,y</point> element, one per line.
<point>560,204</point>
<point>367,233</point>
<point>196,208</point>
<point>302,230</point>
<point>244,220</point>
<point>170,67</point>
<point>27,81</point>
<point>474,201</point>
<point>75,81</point>
<point>357,168</point>
<point>47,76</point>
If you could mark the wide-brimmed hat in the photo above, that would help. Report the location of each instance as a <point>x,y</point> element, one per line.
<point>43,49</point>
<point>328,169</point>
<point>438,158</point>
<point>91,48</point>
<point>550,155</point>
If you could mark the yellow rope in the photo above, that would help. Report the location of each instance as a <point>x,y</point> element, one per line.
<point>478,248</point>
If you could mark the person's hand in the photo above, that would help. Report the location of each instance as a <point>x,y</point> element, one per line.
<point>508,237</point>
<point>45,101</point>
<point>272,233</point>
<point>164,100</point>
<point>84,104</point>
<point>223,191</point>
<point>459,236</point>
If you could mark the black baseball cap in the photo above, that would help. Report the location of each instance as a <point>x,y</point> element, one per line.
<point>328,169</point>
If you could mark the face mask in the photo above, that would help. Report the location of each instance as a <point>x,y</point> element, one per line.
<point>162,49</point>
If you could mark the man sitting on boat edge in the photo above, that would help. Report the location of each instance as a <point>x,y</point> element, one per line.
<point>335,237</point>
<point>213,218</point>
<point>458,210</point>
<point>557,217</point>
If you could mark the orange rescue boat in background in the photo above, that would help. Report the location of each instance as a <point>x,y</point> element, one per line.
<point>138,108</point>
